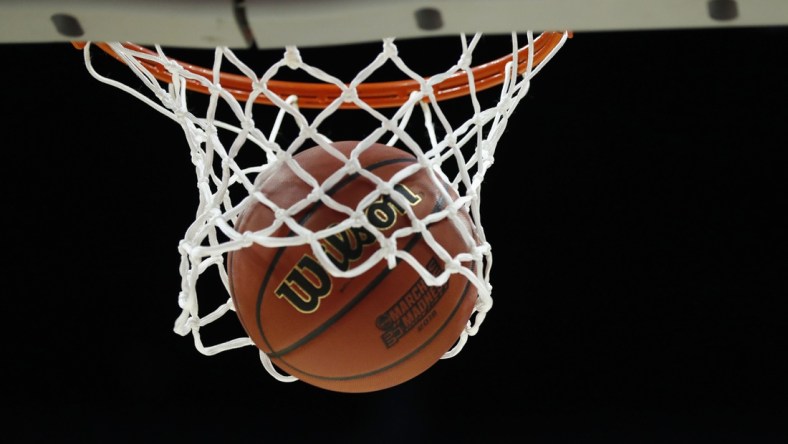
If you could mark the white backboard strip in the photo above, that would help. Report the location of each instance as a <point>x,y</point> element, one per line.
<point>276,23</point>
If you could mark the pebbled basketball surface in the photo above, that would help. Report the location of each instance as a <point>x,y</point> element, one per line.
<point>358,334</point>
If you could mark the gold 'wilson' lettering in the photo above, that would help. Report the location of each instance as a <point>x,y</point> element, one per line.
<point>308,282</point>
<point>305,285</point>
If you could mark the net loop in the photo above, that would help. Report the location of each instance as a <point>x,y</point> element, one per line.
<point>292,58</point>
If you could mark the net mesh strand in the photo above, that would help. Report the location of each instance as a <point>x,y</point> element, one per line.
<point>226,185</point>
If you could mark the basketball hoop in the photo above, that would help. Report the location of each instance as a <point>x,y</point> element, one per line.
<point>320,95</point>
<point>233,158</point>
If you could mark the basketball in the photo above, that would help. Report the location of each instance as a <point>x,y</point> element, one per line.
<point>365,333</point>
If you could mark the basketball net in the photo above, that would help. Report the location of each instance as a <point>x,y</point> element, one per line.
<point>231,154</point>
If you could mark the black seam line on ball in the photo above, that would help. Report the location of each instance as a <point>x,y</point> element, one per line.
<point>399,361</point>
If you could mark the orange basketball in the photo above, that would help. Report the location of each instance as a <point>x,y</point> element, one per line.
<point>359,334</point>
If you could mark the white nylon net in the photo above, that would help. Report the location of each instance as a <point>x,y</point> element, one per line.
<point>231,148</point>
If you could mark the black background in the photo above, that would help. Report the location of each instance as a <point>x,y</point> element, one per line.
<point>636,212</point>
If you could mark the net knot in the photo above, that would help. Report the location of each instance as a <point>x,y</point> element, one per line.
<point>350,95</point>
<point>180,113</point>
<point>357,219</point>
<point>352,166</point>
<point>259,85</point>
<point>193,323</point>
<point>453,266</point>
<point>386,189</point>
<point>292,57</point>
<point>247,124</point>
<point>465,61</point>
<point>388,247</point>
<point>418,225</point>
<point>426,89</point>
<point>215,89</point>
<point>172,66</point>
<point>451,140</point>
<point>280,213</point>
<point>434,163</point>
<point>181,328</point>
<point>479,251</point>
<point>472,194</point>
<point>455,206</point>
<point>310,238</point>
<point>315,195</point>
<point>389,48</point>
<point>505,102</point>
<point>487,160</point>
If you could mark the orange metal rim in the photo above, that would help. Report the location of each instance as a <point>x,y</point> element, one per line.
<point>375,94</point>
